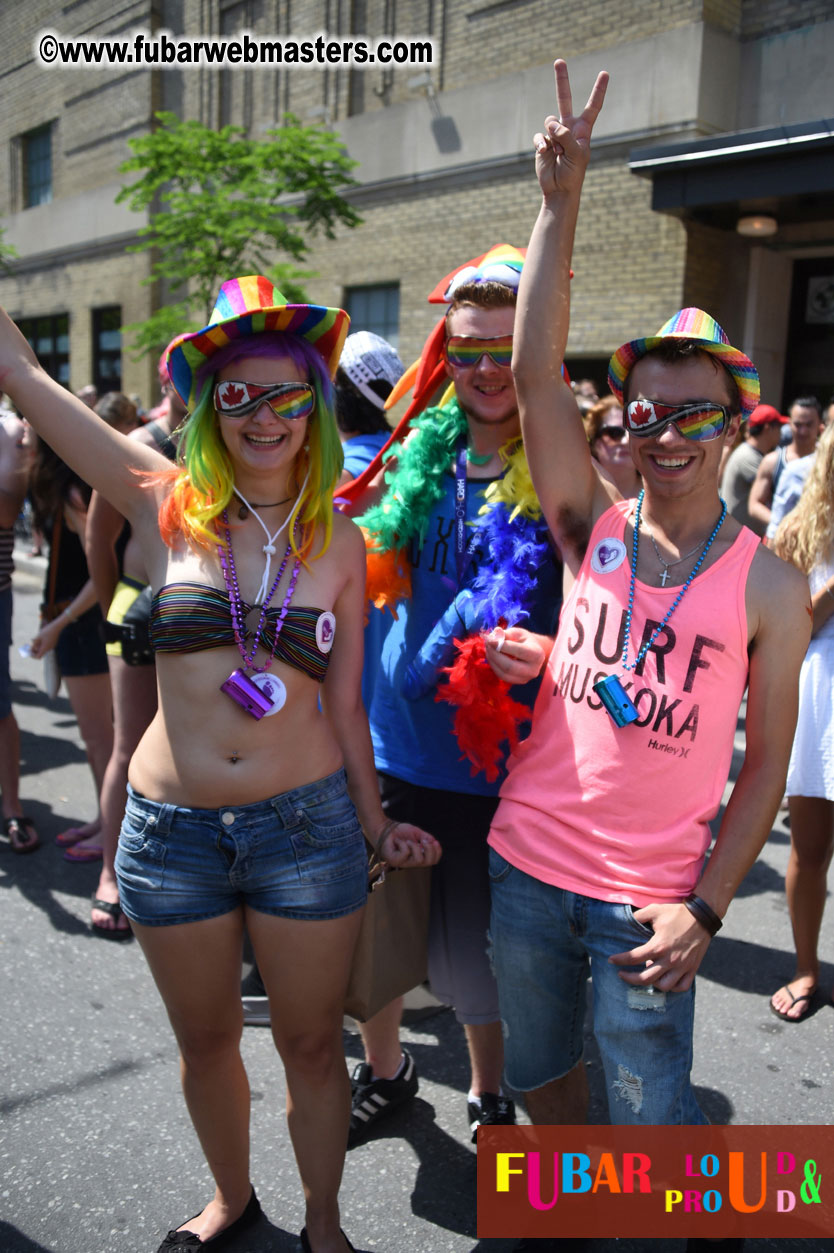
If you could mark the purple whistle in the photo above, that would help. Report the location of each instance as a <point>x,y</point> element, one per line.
<point>247,694</point>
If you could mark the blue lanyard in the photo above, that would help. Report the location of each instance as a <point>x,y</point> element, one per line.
<point>464,550</point>
<point>634,544</point>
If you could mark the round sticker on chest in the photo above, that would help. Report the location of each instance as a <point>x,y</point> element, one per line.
<point>273,689</point>
<point>608,556</point>
<point>325,631</point>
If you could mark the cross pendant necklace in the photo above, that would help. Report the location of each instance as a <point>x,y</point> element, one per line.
<point>667,565</point>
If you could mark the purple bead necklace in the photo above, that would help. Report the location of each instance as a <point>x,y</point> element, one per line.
<point>227,563</point>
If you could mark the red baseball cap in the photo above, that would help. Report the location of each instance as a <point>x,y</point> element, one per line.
<point>763,414</point>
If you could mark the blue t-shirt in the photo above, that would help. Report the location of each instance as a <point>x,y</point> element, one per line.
<point>413,739</point>
<point>360,451</point>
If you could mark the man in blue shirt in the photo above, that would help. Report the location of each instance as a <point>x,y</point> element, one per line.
<point>421,769</point>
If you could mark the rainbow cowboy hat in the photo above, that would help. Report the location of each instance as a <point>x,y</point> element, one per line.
<point>249,306</point>
<point>701,329</point>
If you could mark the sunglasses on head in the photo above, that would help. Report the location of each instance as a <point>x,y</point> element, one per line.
<point>290,401</point>
<point>467,350</point>
<point>700,420</point>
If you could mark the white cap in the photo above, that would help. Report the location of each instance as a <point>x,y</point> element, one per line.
<point>367,358</point>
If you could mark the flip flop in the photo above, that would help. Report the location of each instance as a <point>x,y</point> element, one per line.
<point>21,833</point>
<point>810,997</point>
<point>82,855</point>
<point>73,835</point>
<point>114,909</point>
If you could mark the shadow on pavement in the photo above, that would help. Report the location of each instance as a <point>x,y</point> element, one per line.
<point>13,1241</point>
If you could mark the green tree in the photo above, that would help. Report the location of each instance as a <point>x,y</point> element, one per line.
<point>7,252</point>
<point>221,205</point>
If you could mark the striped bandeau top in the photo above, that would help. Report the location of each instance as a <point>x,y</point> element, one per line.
<point>191,617</point>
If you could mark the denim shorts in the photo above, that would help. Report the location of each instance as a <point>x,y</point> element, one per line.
<point>297,855</point>
<point>545,942</point>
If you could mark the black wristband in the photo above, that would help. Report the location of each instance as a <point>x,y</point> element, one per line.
<point>703,913</point>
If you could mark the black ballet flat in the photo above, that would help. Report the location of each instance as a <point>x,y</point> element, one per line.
<point>307,1247</point>
<point>190,1242</point>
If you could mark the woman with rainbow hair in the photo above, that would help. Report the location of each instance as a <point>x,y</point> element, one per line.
<point>247,797</point>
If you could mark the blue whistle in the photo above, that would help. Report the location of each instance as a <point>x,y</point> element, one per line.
<point>616,700</point>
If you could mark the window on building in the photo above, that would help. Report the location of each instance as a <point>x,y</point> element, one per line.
<point>107,349</point>
<point>375,309</point>
<point>236,101</point>
<point>37,166</point>
<point>49,337</point>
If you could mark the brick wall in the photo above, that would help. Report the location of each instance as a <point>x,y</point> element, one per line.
<point>78,287</point>
<point>773,17</point>
<point>628,261</point>
<point>93,111</point>
<point>633,267</point>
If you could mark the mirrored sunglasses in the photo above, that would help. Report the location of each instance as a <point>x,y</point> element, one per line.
<point>463,351</point>
<point>701,420</point>
<point>290,401</point>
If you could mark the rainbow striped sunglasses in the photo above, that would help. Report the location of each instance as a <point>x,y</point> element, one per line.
<point>700,420</point>
<point>290,401</point>
<point>463,351</point>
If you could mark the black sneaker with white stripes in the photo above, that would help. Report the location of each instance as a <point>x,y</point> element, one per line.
<point>371,1099</point>
<point>490,1111</point>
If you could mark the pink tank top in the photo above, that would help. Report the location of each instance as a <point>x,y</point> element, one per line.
<point>622,813</point>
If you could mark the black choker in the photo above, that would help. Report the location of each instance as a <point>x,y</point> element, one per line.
<point>243,511</point>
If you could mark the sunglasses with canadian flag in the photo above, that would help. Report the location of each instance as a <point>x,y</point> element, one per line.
<point>290,401</point>
<point>700,420</point>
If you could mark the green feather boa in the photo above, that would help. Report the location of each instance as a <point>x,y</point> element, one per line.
<point>417,484</point>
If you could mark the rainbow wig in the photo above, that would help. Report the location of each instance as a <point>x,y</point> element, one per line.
<point>204,483</point>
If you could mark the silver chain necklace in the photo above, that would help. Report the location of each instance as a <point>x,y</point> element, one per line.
<point>667,565</point>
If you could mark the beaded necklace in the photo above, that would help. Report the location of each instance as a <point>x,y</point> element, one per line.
<point>251,687</point>
<point>610,690</point>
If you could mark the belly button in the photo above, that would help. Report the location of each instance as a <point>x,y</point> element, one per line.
<point>234,757</point>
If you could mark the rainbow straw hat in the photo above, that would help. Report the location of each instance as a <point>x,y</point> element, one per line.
<point>249,306</point>
<point>502,264</point>
<point>701,329</point>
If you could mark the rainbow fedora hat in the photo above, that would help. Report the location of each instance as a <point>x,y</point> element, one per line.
<point>701,329</point>
<point>249,306</point>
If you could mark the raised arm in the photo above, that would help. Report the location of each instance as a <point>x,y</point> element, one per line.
<point>100,456</point>
<point>571,492</point>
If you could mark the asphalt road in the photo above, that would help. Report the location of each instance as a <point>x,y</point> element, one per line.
<point>96,1151</point>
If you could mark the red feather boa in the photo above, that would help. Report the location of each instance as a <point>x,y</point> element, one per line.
<point>486,715</point>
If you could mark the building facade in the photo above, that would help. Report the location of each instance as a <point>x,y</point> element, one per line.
<point>718,119</point>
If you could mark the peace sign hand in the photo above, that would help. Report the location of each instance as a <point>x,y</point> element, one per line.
<point>563,151</point>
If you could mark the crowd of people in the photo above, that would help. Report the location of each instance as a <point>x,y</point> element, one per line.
<point>565,615</point>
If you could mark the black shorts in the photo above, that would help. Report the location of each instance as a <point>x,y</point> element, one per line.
<point>460,973</point>
<point>80,648</point>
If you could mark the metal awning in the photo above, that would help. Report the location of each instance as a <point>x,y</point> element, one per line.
<point>787,171</point>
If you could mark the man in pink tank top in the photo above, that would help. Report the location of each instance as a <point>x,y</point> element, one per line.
<point>671,609</point>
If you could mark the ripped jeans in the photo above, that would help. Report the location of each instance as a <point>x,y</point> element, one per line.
<point>545,942</point>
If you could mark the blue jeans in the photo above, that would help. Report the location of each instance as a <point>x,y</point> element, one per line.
<point>300,854</point>
<point>545,942</point>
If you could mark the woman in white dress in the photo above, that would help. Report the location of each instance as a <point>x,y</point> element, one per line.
<point>806,537</point>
